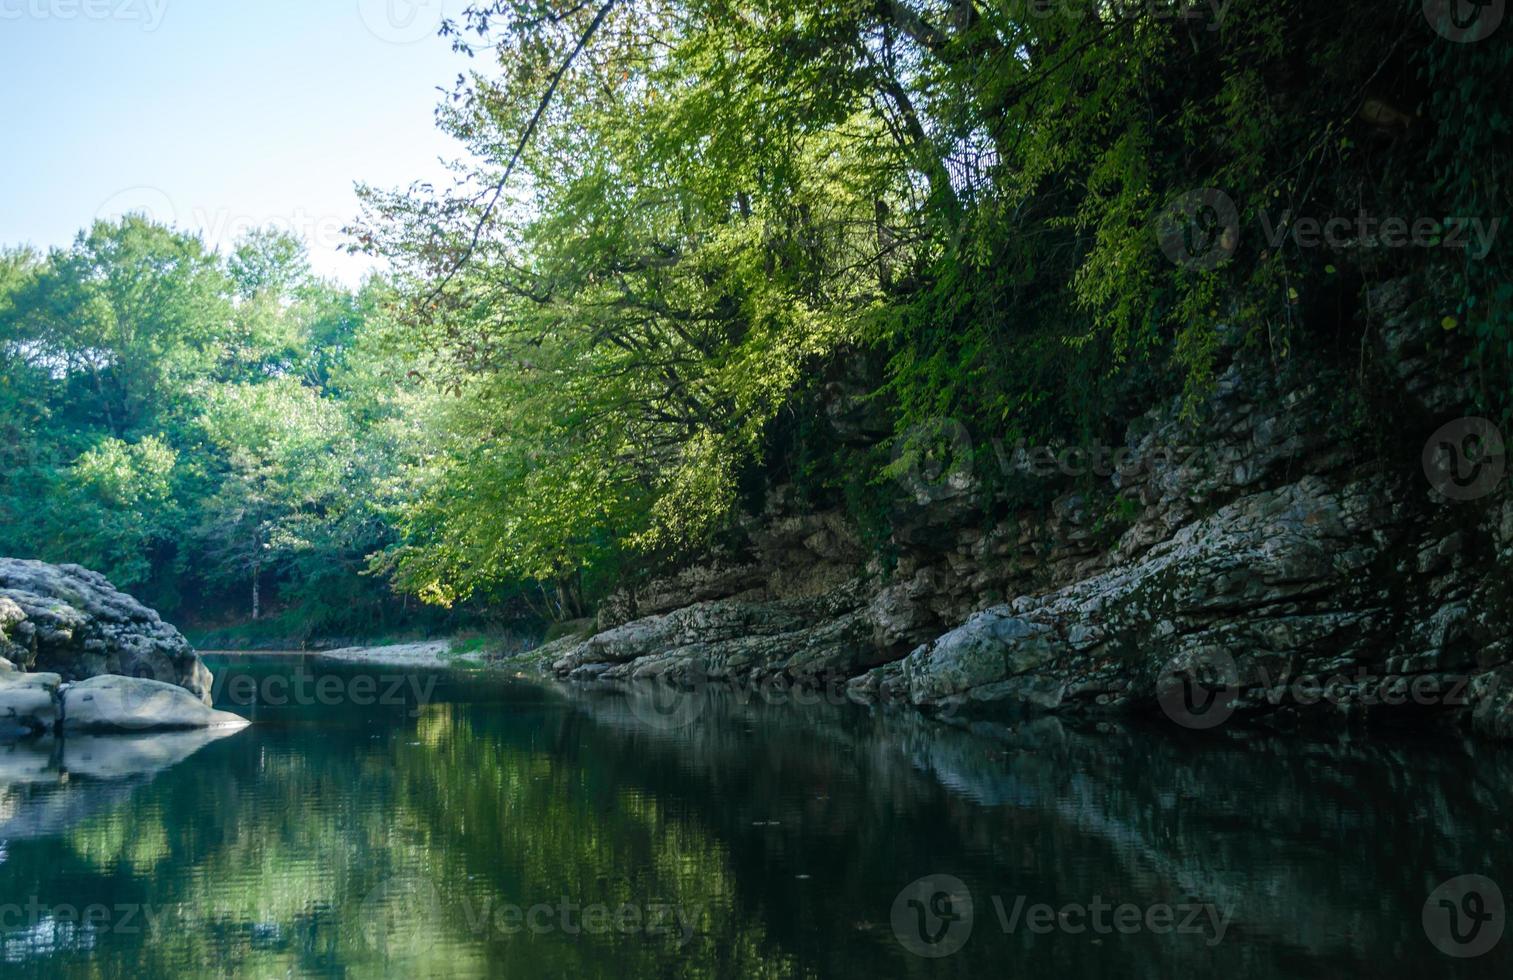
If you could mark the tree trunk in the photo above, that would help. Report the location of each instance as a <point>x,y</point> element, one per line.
<point>257,596</point>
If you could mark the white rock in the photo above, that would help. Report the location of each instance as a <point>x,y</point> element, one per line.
<point>29,700</point>
<point>110,703</point>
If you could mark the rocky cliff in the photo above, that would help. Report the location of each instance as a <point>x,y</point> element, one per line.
<point>1272,556</point>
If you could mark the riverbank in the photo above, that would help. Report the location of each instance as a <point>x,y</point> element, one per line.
<point>1286,553</point>
<point>461,652</point>
<point>1307,545</point>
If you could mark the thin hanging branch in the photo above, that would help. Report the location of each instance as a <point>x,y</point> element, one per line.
<point>525,139</point>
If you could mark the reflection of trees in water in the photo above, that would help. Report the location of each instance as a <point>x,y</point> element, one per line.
<point>527,811</point>
<point>277,842</point>
<point>266,847</point>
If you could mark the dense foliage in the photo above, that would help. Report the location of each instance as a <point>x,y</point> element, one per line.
<point>703,233</point>
<point>204,429</point>
<point>699,250</point>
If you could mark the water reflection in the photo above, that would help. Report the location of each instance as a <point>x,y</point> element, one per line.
<point>48,785</point>
<point>503,828</point>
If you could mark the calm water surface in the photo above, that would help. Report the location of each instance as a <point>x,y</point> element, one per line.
<point>488,827</point>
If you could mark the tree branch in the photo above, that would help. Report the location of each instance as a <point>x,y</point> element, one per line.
<point>525,138</point>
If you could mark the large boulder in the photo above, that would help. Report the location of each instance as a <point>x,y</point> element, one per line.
<point>70,621</point>
<point>134,704</point>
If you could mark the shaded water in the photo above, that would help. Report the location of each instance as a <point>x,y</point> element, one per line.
<point>492,827</point>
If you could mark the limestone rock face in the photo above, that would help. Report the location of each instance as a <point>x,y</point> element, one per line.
<point>1320,569</point>
<point>109,703</point>
<point>732,639</point>
<point>70,621</point>
<point>1284,584</point>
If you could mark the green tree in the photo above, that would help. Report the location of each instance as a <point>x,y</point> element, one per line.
<point>121,323</point>
<point>112,505</point>
<point>285,452</point>
<point>694,219</point>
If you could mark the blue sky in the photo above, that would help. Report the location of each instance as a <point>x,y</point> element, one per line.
<point>221,114</point>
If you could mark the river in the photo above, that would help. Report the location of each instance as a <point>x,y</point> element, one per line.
<point>463,824</point>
